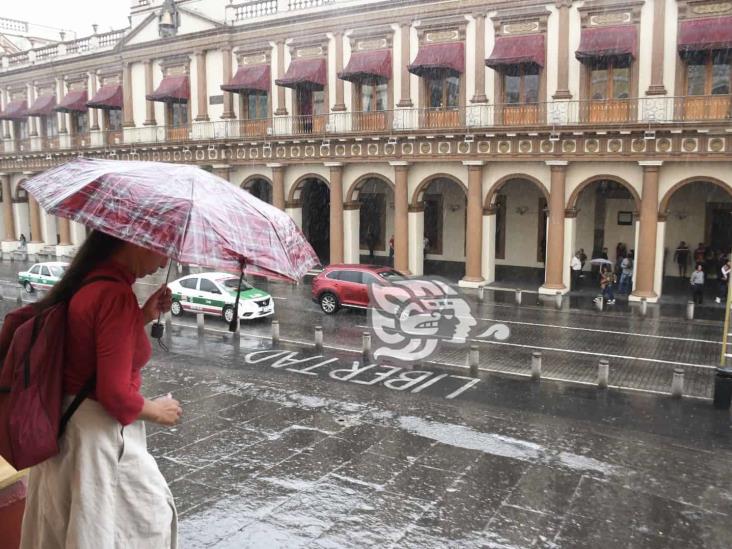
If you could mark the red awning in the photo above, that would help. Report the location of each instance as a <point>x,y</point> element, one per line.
<point>517,50</point>
<point>15,110</point>
<point>172,89</point>
<point>252,77</point>
<point>43,106</point>
<point>107,97</point>
<point>448,57</point>
<point>304,72</point>
<point>367,64</point>
<point>607,42</point>
<point>714,33</point>
<point>74,101</point>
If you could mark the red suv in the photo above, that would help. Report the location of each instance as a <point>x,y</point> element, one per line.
<point>346,285</point>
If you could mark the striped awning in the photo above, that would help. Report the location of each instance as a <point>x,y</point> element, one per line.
<point>107,97</point>
<point>448,57</point>
<point>15,110</point>
<point>172,89</point>
<point>43,105</point>
<point>74,101</point>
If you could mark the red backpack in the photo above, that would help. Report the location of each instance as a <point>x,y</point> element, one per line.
<point>32,350</point>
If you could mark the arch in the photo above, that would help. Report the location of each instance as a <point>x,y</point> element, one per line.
<point>429,179</point>
<point>505,179</point>
<point>356,185</point>
<point>574,197</point>
<point>663,207</point>
<point>296,187</point>
<point>252,178</point>
<point>20,194</point>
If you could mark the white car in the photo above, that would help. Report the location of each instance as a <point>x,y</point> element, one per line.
<point>215,294</point>
<point>42,276</point>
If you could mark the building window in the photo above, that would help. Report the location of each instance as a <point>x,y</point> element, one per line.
<point>80,123</point>
<point>433,224</point>
<point>50,125</point>
<point>610,78</point>
<point>372,221</point>
<point>521,84</point>
<point>443,91</point>
<point>256,105</point>
<point>114,120</point>
<point>708,73</point>
<point>21,129</point>
<point>178,115</point>
<point>373,95</point>
<point>500,205</point>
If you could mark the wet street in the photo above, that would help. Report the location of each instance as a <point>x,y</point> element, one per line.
<point>289,446</point>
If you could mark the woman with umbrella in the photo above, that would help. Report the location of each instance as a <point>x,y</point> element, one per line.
<point>104,486</point>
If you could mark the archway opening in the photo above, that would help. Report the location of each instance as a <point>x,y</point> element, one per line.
<point>21,214</point>
<point>260,188</point>
<point>444,227</point>
<point>315,197</point>
<point>375,221</point>
<point>605,235</point>
<point>520,234</point>
<point>698,230</point>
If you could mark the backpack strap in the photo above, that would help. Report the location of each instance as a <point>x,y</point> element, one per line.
<point>88,387</point>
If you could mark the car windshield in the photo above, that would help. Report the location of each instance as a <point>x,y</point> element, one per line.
<point>232,284</point>
<point>58,272</point>
<point>391,275</point>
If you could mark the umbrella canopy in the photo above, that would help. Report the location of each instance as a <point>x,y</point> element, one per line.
<point>183,212</point>
<point>601,261</point>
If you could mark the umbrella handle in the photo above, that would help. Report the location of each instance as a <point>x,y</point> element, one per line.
<point>157,330</point>
<point>233,325</point>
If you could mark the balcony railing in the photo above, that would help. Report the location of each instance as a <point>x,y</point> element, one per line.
<point>254,9</point>
<point>645,112</point>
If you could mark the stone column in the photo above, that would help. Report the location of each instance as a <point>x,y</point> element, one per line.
<point>35,220</point>
<point>479,95</point>
<point>64,231</point>
<point>474,225</point>
<point>93,113</point>
<point>563,51</point>
<point>221,170</point>
<point>281,100</point>
<point>339,102</point>
<point>128,117</point>
<point>645,256</point>
<point>488,269</point>
<point>659,21</point>
<point>336,211</point>
<point>32,130</point>
<point>401,221</point>
<point>61,115</point>
<point>278,185</point>
<point>555,235</point>
<point>202,90</point>
<point>406,96</point>
<point>149,105</point>
<point>8,218</point>
<point>228,96</point>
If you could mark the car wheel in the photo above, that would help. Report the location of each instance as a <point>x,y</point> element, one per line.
<point>28,287</point>
<point>328,303</point>
<point>228,314</point>
<point>176,309</point>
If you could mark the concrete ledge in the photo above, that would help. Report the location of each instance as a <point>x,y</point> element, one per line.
<point>470,284</point>
<point>636,299</point>
<point>552,291</point>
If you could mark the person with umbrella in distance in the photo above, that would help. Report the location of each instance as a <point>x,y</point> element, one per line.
<point>607,280</point>
<point>104,487</point>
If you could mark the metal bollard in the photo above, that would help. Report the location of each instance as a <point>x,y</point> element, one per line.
<point>518,296</point>
<point>558,300</point>
<point>643,306</point>
<point>168,323</point>
<point>318,337</point>
<point>19,299</point>
<point>677,383</point>
<point>599,303</point>
<point>481,294</point>
<point>200,323</point>
<point>536,365</point>
<point>275,332</point>
<point>236,334</point>
<point>473,360</point>
<point>366,343</point>
<point>603,372</point>
<point>690,310</point>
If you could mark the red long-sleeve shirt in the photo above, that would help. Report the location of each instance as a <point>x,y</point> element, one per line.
<point>106,335</point>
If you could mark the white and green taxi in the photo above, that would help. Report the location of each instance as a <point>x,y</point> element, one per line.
<point>215,294</point>
<point>42,276</point>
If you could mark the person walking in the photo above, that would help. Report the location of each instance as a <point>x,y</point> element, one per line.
<point>681,257</point>
<point>103,488</point>
<point>576,270</point>
<point>371,242</point>
<point>607,279</point>
<point>22,240</point>
<point>697,284</point>
<point>723,282</point>
<point>583,260</point>
<point>626,274</point>
<point>391,251</point>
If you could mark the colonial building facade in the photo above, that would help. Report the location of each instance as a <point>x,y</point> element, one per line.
<point>491,139</point>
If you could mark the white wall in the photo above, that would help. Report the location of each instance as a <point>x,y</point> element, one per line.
<point>453,223</point>
<point>521,230</point>
<point>645,41</point>
<point>138,95</point>
<point>669,48</point>
<point>214,79</point>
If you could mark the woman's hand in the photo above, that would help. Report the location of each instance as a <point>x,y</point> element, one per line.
<point>158,302</point>
<point>165,411</point>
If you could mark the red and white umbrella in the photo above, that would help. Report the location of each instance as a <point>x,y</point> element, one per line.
<point>181,211</point>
